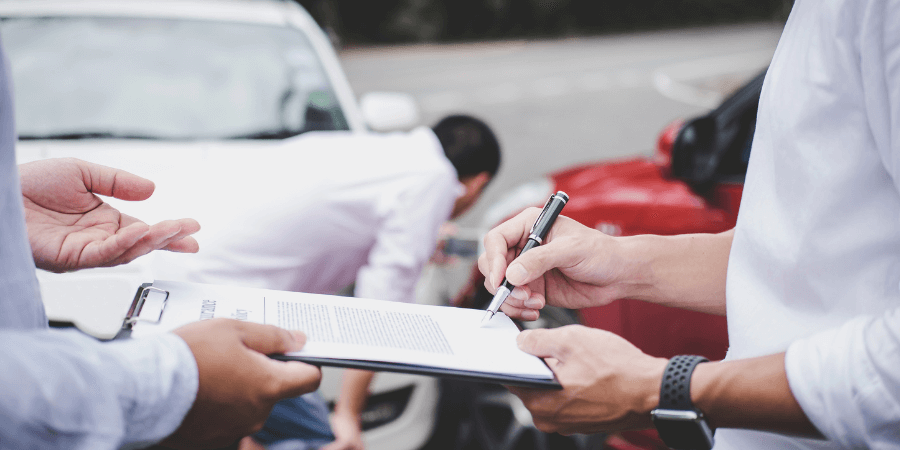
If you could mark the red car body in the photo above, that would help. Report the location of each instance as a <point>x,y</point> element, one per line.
<point>638,196</point>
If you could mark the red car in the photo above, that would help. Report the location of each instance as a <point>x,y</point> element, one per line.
<point>693,184</point>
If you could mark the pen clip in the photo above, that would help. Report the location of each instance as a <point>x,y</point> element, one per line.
<point>543,211</point>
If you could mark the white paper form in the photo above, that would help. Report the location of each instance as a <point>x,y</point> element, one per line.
<point>348,328</point>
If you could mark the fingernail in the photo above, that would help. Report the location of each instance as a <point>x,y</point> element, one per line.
<point>533,303</point>
<point>516,273</point>
<point>519,295</point>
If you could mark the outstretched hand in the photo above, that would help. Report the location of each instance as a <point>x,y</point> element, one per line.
<point>576,267</point>
<point>70,227</point>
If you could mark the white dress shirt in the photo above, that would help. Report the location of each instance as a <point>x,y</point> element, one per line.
<point>62,390</point>
<point>815,262</point>
<point>319,212</point>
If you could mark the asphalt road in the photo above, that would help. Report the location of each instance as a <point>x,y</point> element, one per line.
<point>555,103</point>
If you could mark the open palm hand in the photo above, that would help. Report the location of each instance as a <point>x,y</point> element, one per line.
<point>70,228</point>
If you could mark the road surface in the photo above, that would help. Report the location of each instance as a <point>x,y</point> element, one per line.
<point>555,103</point>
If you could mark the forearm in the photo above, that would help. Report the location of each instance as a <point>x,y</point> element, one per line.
<point>685,271</point>
<point>749,393</point>
<point>354,393</point>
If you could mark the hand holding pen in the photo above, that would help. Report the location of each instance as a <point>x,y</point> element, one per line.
<point>536,237</point>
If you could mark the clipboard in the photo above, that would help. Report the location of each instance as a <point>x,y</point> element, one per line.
<point>151,312</point>
<point>137,306</point>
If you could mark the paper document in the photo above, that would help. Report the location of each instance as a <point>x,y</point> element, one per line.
<point>352,332</point>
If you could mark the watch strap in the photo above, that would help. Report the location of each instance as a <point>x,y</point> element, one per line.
<point>675,392</point>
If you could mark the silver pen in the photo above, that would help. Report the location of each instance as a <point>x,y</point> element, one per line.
<point>536,237</point>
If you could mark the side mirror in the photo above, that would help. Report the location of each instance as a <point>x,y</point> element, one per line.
<point>389,111</point>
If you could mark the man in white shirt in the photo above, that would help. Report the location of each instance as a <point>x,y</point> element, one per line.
<point>809,279</point>
<point>363,209</point>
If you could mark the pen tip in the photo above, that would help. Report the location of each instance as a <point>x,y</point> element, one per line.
<point>486,318</point>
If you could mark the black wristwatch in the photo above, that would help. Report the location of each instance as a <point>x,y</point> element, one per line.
<point>679,424</point>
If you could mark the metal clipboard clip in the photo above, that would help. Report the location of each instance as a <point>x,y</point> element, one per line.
<point>134,314</point>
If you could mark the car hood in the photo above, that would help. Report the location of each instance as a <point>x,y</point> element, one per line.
<point>142,155</point>
<point>174,167</point>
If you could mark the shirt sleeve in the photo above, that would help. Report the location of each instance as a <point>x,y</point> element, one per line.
<point>62,389</point>
<point>407,238</point>
<point>847,380</point>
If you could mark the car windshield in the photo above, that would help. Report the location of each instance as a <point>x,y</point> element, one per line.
<point>92,77</point>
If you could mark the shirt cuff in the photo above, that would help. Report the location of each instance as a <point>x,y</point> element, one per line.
<point>165,386</point>
<point>839,383</point>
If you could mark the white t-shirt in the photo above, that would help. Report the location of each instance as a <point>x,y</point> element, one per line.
<point>815,262</point>
<point>360,207</point>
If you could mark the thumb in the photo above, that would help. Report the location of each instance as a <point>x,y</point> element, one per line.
<point>532,264</point>
<point>543,343</point>
<point>269,339</point>
<point>113,182</point>
<point>297,378</point>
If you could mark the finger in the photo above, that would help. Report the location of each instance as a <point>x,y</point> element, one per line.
<point>160,236</point>
<point>116,183</point>
<point>544,343</point>
<point>530,265</point>
<point>503,238</point>
<point>484,268</point>
<point>297,378</point>
<point>535,301</point>
<point>287,378</point>
<point>153,240</point>
<point>113,247</point>
<point>183,245</point>
<point>269,339</point>
<point>182,242</point>
<point>520,313</point>
<point>520,294</point>
<point>168,231</point>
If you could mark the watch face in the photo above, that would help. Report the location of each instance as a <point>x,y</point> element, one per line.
<point>681,434</point>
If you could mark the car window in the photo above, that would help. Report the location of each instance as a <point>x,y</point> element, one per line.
<point>95,77</point>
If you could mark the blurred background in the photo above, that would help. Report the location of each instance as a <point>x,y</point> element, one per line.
<point>562,81</point>
<point>358,22</point>
<point>642,110</point>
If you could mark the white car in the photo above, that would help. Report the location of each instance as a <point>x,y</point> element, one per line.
<point>157,87</point>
